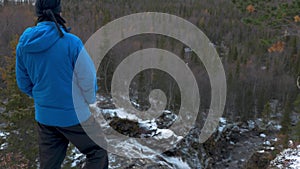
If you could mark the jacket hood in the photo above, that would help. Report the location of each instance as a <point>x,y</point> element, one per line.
<point>39,38</point>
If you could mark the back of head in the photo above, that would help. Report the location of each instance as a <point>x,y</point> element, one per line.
<point>49,10</point>
<point>42,5</point>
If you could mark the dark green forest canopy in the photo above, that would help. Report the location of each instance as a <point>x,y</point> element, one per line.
<point>255,39</point>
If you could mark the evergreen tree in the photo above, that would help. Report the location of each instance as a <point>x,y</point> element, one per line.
<point>18,116</point>
<point>267,112</point>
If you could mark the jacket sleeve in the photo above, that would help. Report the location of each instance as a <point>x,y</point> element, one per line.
<point>23,80</point>
<point>85,74</point>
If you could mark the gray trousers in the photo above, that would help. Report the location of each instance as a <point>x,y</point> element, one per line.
<point>53,144</point>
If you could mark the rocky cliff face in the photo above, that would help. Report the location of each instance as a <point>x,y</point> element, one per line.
<point>233,145</point>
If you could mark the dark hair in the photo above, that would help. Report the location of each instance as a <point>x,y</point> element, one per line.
<point>49,10</point>
<point>48,15</point>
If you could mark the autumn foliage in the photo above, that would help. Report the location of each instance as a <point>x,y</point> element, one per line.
<point>250,8</point>
<point>297,18</point>
<point>277,47</point>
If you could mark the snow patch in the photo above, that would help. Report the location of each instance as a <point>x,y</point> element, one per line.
<point>262,135</point>
<point>76,157</point>
<point>289,158</point>
<point>165,134</point>
<point>223,123</point>
<point>3,146</point>
<point>3,135</point>
<point>177,162</point>
<point>121,113</point>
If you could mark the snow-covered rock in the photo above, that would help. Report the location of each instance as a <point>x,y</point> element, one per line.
<point>3,135</point>
<point>262,135</point>
<point>289,158</point>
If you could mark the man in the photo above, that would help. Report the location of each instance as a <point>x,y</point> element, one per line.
<point>54,69</point>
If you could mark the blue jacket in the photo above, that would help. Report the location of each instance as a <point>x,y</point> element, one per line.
<point>57,73</point>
